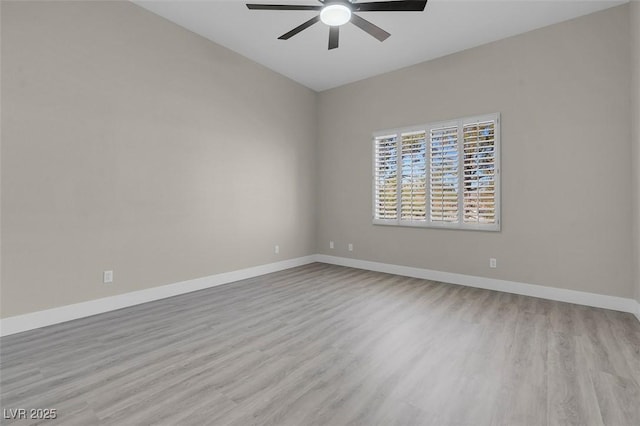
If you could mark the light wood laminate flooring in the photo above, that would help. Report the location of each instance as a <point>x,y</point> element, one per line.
<point>330,345</point>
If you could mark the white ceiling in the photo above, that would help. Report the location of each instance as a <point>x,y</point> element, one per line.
<point>445,27</point>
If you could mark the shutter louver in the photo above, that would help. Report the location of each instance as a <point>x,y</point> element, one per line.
<point>413,177</point>
<point>386,178</point>
<point>443,174</point>
<point>479,179</point>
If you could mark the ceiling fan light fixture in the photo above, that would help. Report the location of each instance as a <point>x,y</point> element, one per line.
<point>335,15</point>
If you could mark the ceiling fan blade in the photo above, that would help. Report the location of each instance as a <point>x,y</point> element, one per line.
<point>299,28</point>
<point>369,28</point>
<point>282,7</point>
<point>334,34</point>
<point>391,6</point>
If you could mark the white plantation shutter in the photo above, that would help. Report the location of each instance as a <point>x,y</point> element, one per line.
<point>480,169</point>
<point>413,187</point>
<point>443,174</point>
<point>386,178</point>
<point>439,175</point>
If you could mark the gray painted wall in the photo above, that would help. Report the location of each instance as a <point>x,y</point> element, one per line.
<point>563,92</point>
<point>634,16</point>
<point>129,143</point>
<point>122,136</point>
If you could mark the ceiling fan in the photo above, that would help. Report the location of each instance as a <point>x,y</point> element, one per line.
<point>335,13</point>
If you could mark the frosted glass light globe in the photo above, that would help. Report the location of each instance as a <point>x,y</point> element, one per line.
<point>335,15</point>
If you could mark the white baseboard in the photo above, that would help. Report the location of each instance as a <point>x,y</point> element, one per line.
<point>20,323</point>
<point>552,293</point>
<point>30,321</point>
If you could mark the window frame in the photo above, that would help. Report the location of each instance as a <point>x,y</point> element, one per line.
<point>426,128</point>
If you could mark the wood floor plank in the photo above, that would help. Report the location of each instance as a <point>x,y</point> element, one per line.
<point>330,345</point>
<point>571,398</point>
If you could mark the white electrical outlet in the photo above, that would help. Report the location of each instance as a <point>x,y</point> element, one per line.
<point>350,247</point>
<point>276,249</point>
<point>107,277</point>
<point>493,263</point>
<point>330,244</point>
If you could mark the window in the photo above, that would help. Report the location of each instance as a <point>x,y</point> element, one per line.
<point>439,175</point>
